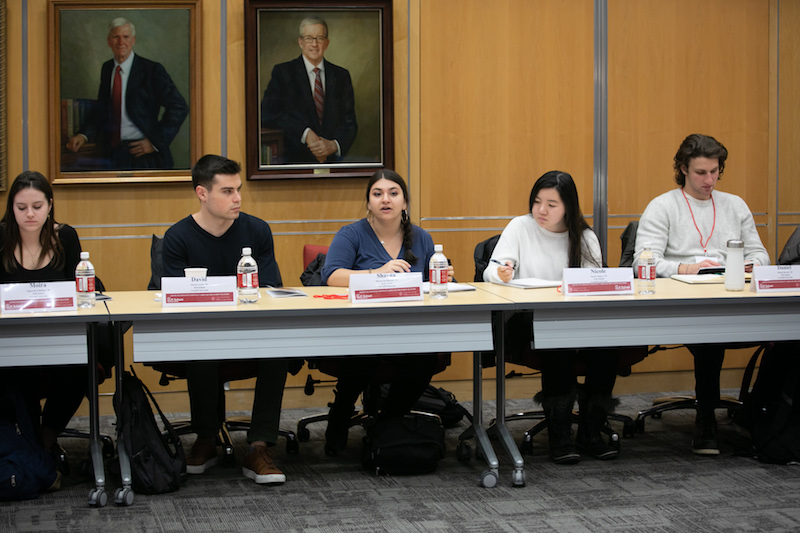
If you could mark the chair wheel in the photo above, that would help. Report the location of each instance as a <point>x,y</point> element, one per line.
<point>108,447</point>
<point>123,496</point>
<point>488,479</point>
<point>292,446</point>
<point>98,498</point>
<point>629,430</point>
<point>526,446</point>
<point>464,451</point>
<point>303,434</point>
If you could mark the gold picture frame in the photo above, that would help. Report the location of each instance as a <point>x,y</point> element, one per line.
<point>162,107</point>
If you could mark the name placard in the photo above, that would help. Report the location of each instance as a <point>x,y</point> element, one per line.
<point>393,287</point>
<point>597,281</point>
<point>198,292</point>
<point>775,278</point>
<point>38,297</point>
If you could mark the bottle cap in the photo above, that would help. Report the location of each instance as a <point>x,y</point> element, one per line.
<point>84,256</point>
<point>735,243</point>
<point>437,248</point>
<point>246,251</point>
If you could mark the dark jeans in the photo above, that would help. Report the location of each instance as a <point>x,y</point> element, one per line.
<point>407,375</point>
<point>63,388</point>
<point>559,373</point>
<point>207,399</point>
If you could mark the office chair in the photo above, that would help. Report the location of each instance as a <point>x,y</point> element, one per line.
<point>313,261</point>
<point>229,371</point>
<point>521,324</point>
<point>671,403</point>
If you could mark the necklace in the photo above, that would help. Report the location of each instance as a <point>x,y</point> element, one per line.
<point>713,224</point>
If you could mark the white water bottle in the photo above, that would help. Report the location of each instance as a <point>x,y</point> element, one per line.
<point>84,282</point>
<point>646,284</point>
<point>438,273</point>
<point>734,266</point>
<point>247,277</point>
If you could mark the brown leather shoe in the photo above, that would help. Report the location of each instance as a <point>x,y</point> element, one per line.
<point>259,466</point>
<point>202,456</point>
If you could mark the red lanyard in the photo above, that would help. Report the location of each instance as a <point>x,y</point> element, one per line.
<point>713,224</point>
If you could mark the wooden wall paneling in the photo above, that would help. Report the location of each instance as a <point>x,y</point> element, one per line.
<point>789,115</point>
<point>502,102</point>
<point>681,67</point>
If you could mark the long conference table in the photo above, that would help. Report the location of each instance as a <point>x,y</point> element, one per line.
<point>315,326</point>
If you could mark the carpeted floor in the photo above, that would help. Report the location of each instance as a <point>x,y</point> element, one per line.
<point>656,486</point>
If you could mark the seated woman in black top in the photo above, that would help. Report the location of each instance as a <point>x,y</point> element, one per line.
<point>34,247</point>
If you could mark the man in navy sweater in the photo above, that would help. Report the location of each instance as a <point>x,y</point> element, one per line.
<point>213,238</point>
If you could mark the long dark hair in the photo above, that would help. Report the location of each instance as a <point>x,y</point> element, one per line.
<point>48,237</point>
<point>573,217</point>
<point>408,234</point>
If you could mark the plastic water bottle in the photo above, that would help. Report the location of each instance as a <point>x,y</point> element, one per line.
<point>438,273</point>
<point>247,277</point>
<point>734,266</point>
<point>647,272</point>
<point>84,282</point>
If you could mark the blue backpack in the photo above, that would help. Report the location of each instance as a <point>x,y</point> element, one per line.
<point>25,467</point>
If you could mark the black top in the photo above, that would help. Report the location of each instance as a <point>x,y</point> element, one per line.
<point>186,244</point>
<point>72,256</point>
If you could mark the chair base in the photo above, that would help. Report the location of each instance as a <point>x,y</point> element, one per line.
<point>671,403</point>
<point>526,445</point>
<point>237,423</point>
<point>358,418</point>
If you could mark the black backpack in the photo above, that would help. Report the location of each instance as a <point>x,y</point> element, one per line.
<point>25,466</point>
<point>412,444</point>
<point>437,401</point>
<point>158,462</point>
<point>769,412</point>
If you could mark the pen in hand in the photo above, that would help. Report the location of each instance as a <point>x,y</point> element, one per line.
<point>501,264</point>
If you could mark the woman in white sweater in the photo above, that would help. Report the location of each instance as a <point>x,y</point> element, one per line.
<point>541,244</point>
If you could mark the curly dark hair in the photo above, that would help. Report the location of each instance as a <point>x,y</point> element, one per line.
<point>697,145</point>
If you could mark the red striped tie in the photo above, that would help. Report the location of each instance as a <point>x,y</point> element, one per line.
<point>319,95</point>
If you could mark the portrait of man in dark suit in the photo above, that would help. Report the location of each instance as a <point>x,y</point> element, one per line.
<point>138,112</point>
<point>311,101</point>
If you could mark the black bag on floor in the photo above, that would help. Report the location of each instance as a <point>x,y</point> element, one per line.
<point>437,401</point>
<point>25,466</point>
<point>158,462</point>
<point>769,411</point>
<point>412,444</point>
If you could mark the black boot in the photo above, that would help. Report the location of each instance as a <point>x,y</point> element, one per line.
<point>593,417</point>
<point>339,417</point>
<point>704,441</point>
<point>558,412</point>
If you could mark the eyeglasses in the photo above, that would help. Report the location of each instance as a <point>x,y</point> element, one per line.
<point>308,39</point>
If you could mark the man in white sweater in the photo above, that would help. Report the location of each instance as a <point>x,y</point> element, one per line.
<point>687,229</point>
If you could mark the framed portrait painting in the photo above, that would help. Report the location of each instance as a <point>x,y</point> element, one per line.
<point>124,91</point>
<point>319,88</point>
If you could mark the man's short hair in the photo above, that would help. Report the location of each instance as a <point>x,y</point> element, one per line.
<point>209,166</point>
<point>121,21</point>
<point>310,21</point>
<point>697,145</point>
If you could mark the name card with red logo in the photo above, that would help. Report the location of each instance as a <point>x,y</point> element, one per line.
<point>597,281</point>
<point>775,278</point>
<point>198,292</point>
<point>38,297</point>
<point>393,287</point>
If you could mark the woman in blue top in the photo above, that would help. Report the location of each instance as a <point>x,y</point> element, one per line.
<point>385,241</point>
